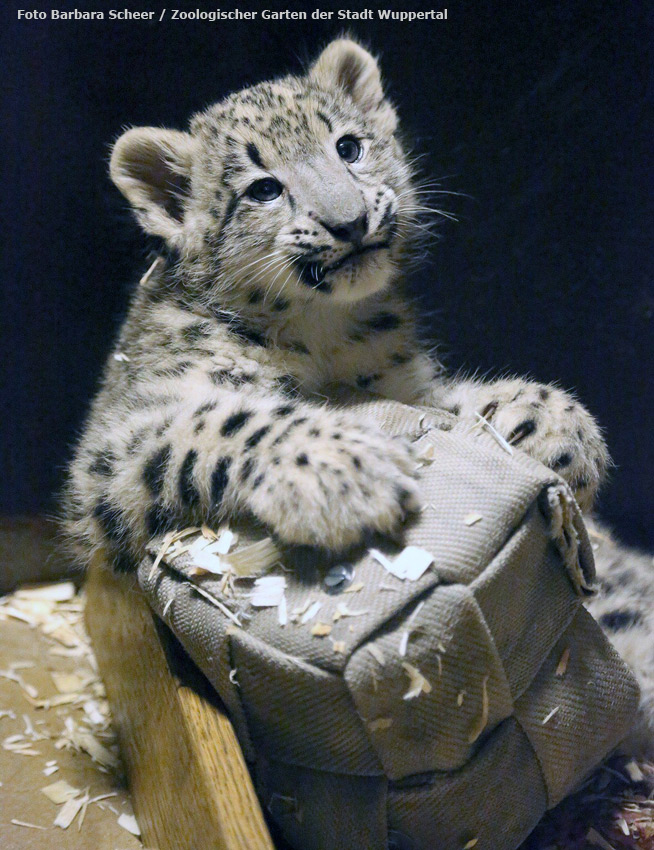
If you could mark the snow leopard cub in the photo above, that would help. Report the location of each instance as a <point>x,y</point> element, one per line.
<point>285,211</point>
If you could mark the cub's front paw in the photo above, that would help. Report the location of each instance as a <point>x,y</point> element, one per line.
<point>330,484</point>
<point>546,423</point>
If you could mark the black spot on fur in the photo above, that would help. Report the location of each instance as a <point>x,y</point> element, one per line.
<point>218,376</point>
<point>357,462</point>
<point>124,563</point>
<point>285,410</point>
<point>618,621</point>
<point>187,489</point>
<point>196,331</point>
<point>112,522</point>
<point>399,359</point>
<point>255,297</point>
<point>159,519</point>
<point>364,381</point>
<point>258,480</point>
<point>235,422</point>
<point>174,371</point>
<point>161,429</point>
<point>103,463</point>
<point>155,469</point>
<point>229,211</point>
<point>255,156</point>
<point>207,407</point>
<point>325,120</point>
<point>280,304</point>
<point>255,438</point>
<point>220,480</point>
<point>384,322</point>
<point>136,440</point>
<point>246,469</point>
<point>199,426</point>
<point>522,431</point>
<point>287,384</point>
<point>544,394</point>
<point>302,459</point>
<point>314,432</point>
<point>562,461</point>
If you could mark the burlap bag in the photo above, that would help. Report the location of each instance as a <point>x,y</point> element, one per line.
<point>520,695</point>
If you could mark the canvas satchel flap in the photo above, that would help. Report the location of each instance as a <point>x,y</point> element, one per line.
<point>376,705</point>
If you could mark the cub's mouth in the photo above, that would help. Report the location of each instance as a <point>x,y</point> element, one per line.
<point>313,273</point>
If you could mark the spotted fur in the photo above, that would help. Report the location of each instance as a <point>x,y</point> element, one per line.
<point>280,278</point>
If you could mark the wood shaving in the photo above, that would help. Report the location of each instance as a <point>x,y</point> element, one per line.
<point>480,725</point>
<point>208,533</point>
<point>60,792</point>
<point>550,715</point>
<point>11,674</point>
<point>68,812</point>
<point>129,823</point>
<point>339,646</point>
<point>562,666</point>
<point>61,592</point>
<point>410,564</point>
<point>166,543</point>
<point>321,629</point>
<point>282,612</point>
<point>380,724</point>
<point>268,592</point>
<point>311,612</point>
<point>481,420</point>
<point>469,844</point>
<point>67,683</point>
<point>376,653</point>
<point>418,684</point>
<point>214,601</point>
<point>381,559</point>
<point>404,643</point>
<point>255,559</point>
<point>303,607</point>
<point>25,823</point>
<point>354,588</point>
<point>635,773</point>
<point>460,697</point>
<point>624,826</point>
<point>427,455</point>
<point>99,753</point>
<point>343,611</point>
<point>472,519</point>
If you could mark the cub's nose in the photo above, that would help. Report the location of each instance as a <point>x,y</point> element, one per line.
<point>349,231</point>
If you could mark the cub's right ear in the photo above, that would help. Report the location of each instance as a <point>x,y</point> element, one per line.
<point>152,168</point>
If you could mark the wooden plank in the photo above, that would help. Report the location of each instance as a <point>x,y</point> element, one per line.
<point>190,785</point>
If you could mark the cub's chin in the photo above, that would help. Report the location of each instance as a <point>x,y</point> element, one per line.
<point>359,277</point>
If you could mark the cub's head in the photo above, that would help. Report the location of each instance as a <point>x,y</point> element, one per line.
<point>297,186</point>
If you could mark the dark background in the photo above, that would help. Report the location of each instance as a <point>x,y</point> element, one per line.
<point>540,111</point>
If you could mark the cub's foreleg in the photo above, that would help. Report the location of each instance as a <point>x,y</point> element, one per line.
<point>542,420</point>
<point>312,474</point>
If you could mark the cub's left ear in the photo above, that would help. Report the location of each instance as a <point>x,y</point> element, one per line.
<point>346,65</point>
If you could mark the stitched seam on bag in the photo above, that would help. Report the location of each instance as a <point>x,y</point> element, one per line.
<point>541,768</point>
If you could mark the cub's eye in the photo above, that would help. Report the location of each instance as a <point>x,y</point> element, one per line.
<point>349,148</point>
<point>265,190</point>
